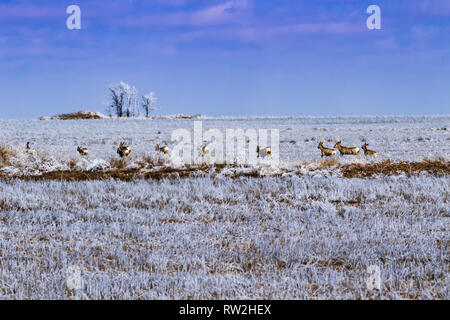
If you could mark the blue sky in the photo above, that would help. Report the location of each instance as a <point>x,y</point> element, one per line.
<point>227,57</point>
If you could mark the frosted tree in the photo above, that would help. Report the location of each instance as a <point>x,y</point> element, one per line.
<point>149,103</point>
<point>124,100</point>
<point>117,96</point>
<point>131,94</point>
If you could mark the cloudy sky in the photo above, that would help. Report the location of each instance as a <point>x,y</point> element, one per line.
<point>227,57</point>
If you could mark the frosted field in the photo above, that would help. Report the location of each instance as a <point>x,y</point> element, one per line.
<point>223,238</point>
<point>410,138</point>
<point>277,238</point>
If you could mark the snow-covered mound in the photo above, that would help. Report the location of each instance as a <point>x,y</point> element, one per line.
<point>80,115</point>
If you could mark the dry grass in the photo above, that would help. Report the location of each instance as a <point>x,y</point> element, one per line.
<point>80,115</point>
<point>118,163</point>
<point>72,163</point>
<point>323,163</point>
<point>147,162</point>
<point>437,167</point>
<point>6,154</point>
<point>121,173</point>
<point>329,162</point>
<point>117,174</point>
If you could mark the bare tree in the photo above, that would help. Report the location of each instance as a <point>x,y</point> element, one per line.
<point>116,105</point>
<point>149,103</point>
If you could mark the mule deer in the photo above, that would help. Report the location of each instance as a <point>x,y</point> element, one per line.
<point>346,150</point>
<point>327,152</point>
<point>123,151</point>
<point>163,149</point>
<point>204,150</point>
<point>264,152</point>
<point>368,152</point>
<point>82,151</point>
<point>29,150</point>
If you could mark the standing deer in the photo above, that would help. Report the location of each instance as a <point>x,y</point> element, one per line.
<point>368,152</point>
<point>327,152</point>
<point>264,152</point>
<point>123,151</point>
<point>204,150</point>
<point>29,150</point>
<point>163,149</point>
<point>346,150</point>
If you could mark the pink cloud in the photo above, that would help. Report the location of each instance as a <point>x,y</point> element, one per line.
<point>10,12</point>
<point>228,12</point>
<point>220,13</point>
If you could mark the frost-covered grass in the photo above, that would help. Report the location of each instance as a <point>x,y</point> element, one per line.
<point>277,238</point>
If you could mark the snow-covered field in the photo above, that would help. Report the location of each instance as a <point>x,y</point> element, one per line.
<point>267,237</point>
<point>407,138</point>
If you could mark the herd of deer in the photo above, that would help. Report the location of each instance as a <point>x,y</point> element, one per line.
<point>125,151</point>
<point>327,152</point>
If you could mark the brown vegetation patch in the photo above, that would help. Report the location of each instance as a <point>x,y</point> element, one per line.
<point>130,174</point>
<point>5,156</point>
<point>121,172</point>
<point>389,168</point>
<point>147,162</point>
<point>118,163</point>
<point>80,115</point>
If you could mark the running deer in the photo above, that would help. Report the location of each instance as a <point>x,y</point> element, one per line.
<point>123,151</point>
<point>346,150</point>
<point>82,151</point>
<point>368,152</point>
<point>163,149</point>
<point>327,152</point>
<point>264,152</point>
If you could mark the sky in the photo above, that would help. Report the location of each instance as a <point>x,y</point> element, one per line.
<point>227,57</point>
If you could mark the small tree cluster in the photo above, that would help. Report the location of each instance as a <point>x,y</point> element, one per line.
<point>124,101</point>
